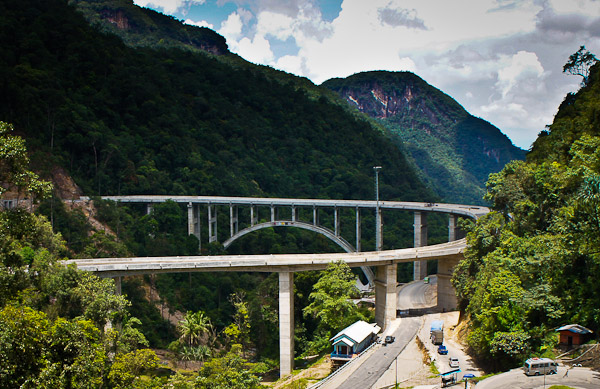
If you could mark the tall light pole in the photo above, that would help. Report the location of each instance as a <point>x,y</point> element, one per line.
<point>377,211</point>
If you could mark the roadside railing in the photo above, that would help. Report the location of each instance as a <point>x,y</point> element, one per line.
<point>342,368</point>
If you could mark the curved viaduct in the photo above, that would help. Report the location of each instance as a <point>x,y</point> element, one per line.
<point>385,262</point>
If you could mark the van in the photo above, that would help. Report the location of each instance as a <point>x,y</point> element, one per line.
<point>540,366</point>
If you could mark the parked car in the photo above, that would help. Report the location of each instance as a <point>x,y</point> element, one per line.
<point>442,350</point>
<point>389,339</point>
<point>454,362</point>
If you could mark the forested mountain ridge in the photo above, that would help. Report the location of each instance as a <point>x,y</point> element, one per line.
<point>140,120</point>
<point>140,27</point>
<point>454,150</point>
<point>532,264</point>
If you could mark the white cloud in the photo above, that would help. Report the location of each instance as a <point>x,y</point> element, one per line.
<point>257,50</point>
<point>522,68</point>
<point>231,28</point>
<point>502,59</point>
<point>291,64</point>
<point>201,23</point>
<point>169,6</point>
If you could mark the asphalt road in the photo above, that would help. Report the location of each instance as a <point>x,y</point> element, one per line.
<point>414,295</point>
<point>578,377</point>
<point>370,370</point>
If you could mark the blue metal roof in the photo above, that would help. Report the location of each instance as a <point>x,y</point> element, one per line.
<point>576,328</point>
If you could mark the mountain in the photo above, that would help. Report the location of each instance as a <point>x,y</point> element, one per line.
<point>454,150</point>
<point>139,27</point>
<point>167,120</point>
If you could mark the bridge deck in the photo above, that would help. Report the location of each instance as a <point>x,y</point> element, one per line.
<point>458,209</point>
<point>112,267</point>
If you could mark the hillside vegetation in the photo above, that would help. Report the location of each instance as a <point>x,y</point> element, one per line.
<point>454,151</point>
<point>533,263</point>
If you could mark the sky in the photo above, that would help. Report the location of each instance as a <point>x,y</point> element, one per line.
<point>500,59</point>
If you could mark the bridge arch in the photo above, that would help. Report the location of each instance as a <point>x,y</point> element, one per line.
<point>343,243</point>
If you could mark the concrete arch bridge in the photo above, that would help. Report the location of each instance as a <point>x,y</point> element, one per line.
<point>384,279</point>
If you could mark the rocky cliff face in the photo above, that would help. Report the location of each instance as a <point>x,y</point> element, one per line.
<point>454,150</point>
<point>116,17</point>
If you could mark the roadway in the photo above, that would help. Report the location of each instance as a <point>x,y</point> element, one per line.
<point>416,294</point>
<point>381,359</point>
<point>577,377</point>
<point>114,267</point>
<point>472,211</point>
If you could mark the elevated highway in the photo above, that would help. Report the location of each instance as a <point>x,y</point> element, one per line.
<point>384,262</point>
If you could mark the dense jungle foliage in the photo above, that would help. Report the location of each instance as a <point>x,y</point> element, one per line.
<point>454,151</point>
<point>533,263</point>
<point>65,328</point>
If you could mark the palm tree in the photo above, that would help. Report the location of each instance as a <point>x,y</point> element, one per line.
<point>193,327</point>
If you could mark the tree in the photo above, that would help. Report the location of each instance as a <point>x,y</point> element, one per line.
<point>239,330</point>
<point>24,335</point>
<point>193,327</point>
<point>228,372</point>
<point>580,63</point>
<point>331,298</point>
<point>14,167</point>
<point>127,368</point>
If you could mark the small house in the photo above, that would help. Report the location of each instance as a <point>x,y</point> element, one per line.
<point>573,335</point>
<point>350,341</point>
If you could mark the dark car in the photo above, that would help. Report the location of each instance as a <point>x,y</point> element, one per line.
<point>442,350</point>
<point>389,339</point>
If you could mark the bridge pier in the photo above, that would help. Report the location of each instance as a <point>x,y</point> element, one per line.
<point>358,232</point>
<point>194,222</point>
<point>385,294</point>
<point>117,285</point>
<point>253,215</point>
<point>212,223</point>
<point>453,231</point>
<point>446,295</point>
<point>233,220</point>
<point>286,323</point>
<point>420,240</point>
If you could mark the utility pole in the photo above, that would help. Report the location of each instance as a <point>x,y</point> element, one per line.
<point>377,211</point>
<point>396,387</point>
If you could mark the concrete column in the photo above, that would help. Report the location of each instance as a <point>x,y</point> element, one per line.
<point>385,295</point>
<point>294,213</point>
<point>378,230</point>
<point>336,220</point>
<point>118,285</point>
<point>420,240</point>
<point>272,213</point>
<point>253,215</point>
<point>233,220</point>
<point>453,230</point>
<point>194,222</point>
<point>286,323</point>
<point>358,232</point>
<point>212,224</point>
<point>149,209</point>
<point>447,300</point>
<point>190,223</point>
<point>315,216</point>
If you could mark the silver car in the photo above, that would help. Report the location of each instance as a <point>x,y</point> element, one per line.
<point>454,362</point>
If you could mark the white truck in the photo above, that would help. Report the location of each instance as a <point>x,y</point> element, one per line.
<point>437,332</point>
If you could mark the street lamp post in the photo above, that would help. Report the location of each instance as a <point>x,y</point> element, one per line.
<point>377,211</point>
